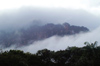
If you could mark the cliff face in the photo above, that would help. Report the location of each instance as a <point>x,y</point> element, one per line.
<point>27,36</point>
<point>48,30</point>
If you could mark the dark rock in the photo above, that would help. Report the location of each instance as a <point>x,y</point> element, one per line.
<point>34,33</point>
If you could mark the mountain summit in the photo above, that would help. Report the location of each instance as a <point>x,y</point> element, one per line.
<point>33,33</point>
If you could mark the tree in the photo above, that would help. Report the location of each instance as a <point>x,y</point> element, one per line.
<point>92,45</point>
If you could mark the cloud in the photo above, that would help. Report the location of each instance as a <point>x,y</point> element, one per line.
<point>25,16</point>
<point>91,3</point>
<point>57,43</point>
<point>92,6</point>
<point>60,43</point>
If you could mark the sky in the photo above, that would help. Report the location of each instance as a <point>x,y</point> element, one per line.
<point>92,6</point>
<point>76,12</point>
<point>22,13</point>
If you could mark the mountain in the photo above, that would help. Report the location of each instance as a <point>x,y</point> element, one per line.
<point>35,32</point>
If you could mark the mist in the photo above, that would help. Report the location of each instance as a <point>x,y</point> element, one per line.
<point>56,43</point>
<point>25,16</point>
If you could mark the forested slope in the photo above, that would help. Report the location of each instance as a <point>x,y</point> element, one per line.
<point>89,55</point>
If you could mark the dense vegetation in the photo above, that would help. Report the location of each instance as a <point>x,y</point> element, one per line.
<point>89,55</point>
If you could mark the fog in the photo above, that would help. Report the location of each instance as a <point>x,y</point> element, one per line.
<point>60,43</point>
<point>24,16</point>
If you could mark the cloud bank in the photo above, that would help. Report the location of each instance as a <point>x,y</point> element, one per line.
<point>59,43</point>
<point>25,16</point>
<point>92,6</point>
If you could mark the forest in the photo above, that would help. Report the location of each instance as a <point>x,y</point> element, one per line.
<point>88,55</point>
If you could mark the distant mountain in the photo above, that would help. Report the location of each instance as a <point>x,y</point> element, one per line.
<point>33,33</point>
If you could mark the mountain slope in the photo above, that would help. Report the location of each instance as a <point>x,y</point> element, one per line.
<point>33,33</point>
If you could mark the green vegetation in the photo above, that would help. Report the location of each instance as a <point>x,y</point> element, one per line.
<point>89,55</point>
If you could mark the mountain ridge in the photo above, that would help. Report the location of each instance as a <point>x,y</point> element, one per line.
<point>34,32</point>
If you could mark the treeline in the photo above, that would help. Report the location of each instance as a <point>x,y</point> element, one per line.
<point>89,55</point>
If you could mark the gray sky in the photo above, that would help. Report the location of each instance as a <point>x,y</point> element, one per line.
<point>19,13</point>
<point>24,16</point>
<point>92,6</point>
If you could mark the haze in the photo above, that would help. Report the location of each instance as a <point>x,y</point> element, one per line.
<point>17,14</point>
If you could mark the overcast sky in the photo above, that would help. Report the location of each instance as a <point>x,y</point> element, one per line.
<point>92,6</point>
<point>21,13</point>
<point>18,13</point>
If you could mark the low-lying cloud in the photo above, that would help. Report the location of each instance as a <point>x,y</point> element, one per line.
<point>59,43</point>
<point>25,16</point>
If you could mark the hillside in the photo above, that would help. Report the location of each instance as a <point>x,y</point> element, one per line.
<point>35,32</point>
<point>88,55</point>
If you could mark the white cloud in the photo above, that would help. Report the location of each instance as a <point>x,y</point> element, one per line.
<point>88,5</point>
<point>56,11</point>
<point>60,43</point>
<point>57,43</point>
<point>24,16</point>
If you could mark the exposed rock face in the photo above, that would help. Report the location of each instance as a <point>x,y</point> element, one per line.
<point>27,36</point>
